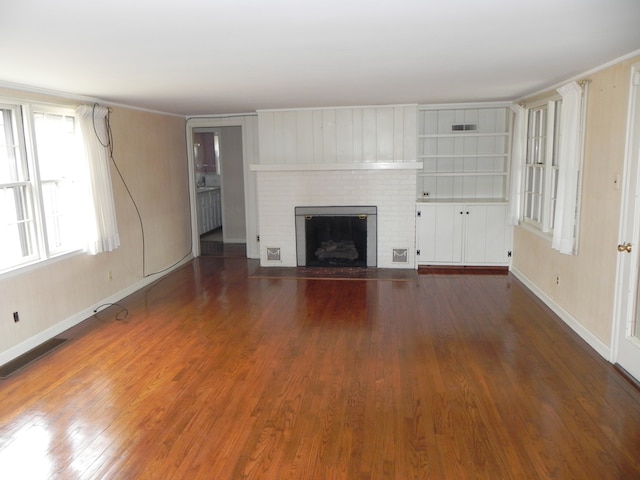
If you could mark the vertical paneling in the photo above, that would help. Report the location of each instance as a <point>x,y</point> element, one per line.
<point>278,138</point>
<point>358,153</point>
<point>304,136</point>
<point>398,134</point>
<point>329,135</point>
<point>318,135</point>
<point>344,135</point>
<point>266,137</point>
<point>338,135</point>
<point>409,129</point>
<point>369,134</point>
<point>289,132</point>
<point>384,134</point>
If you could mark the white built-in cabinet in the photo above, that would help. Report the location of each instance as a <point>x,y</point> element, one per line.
<point>463,187</point>
<point>209,209</point>
<point>463,234</point>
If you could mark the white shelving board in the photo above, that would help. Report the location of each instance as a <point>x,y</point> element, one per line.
<point>465,150</point>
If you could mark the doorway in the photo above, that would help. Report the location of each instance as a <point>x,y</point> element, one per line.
<point>220,151</point>
<point>626,334</point>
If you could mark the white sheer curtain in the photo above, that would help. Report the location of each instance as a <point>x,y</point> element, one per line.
<point>570,154</point>
<point>518,159</point>
<point>102,225</point>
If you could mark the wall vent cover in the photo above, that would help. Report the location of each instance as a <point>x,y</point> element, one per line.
<point>464,127</point>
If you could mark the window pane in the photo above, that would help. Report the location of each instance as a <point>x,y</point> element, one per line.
<point>556,132</point>
<point>59,172</point>
<point>56,146</point>
<point>16,227</point>
<point>12,167</point>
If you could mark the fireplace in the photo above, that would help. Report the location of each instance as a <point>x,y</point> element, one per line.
<point>342,236</point>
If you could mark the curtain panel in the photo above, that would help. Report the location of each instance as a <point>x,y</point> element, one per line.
<point>570,154</point>
<point>102,224</point>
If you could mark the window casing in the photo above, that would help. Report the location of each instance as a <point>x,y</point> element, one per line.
<point>41,187</point>
<point>541,165</point>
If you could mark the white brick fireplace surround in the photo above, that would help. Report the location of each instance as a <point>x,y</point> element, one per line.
<point>390,187</point>
<point>338,157</point>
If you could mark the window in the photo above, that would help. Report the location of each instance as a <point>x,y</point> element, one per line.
<point>40,184</point>
<point>542,165</point>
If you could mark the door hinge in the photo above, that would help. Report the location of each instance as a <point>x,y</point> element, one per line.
<point>417,252</point>
<point>509,254</point>
<point>418,213</point>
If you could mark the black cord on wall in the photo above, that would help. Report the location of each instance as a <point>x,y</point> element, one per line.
<point>108,143</point>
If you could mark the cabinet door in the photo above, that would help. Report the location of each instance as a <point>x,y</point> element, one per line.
<point>217,209</point>
<point>439,234</point>
<point>425,233</point>
<point>201,216</point>
<point>487,234</point>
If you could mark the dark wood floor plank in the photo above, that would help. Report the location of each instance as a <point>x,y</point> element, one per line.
<point>214,374</point>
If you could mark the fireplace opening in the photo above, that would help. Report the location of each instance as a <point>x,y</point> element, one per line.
<point>336,236</point>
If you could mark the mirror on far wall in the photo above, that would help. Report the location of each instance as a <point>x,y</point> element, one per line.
<point>206,151</point>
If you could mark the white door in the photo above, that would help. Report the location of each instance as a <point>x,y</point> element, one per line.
<point>626,334</point>
<point>439,234</point>
<point>486,234</point>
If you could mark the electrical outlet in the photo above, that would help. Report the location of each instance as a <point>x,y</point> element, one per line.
<point>16,317</point>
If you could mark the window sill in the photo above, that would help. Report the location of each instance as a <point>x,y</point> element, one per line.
<point>548,236</point>
<point>35,265</point>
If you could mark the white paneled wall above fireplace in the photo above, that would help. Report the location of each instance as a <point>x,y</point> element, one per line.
<point>338,135</point>
<point>347,156</point>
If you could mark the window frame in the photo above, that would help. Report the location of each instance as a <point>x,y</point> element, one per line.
<point>24,123</point>
<point>548,168</point>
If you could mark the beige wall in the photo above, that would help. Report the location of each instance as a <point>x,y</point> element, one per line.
<point>151,154</point>
<point>586,282</point>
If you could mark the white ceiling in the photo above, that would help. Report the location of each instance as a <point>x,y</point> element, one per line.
<point>194,57</point>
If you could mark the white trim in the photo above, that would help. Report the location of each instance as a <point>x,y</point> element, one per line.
<point>341,107</point>
<point>293,167</point>
<point>580,76</point>
<point>462,106</point>
<point>626,285</point>
<point>39,263</point>
<point>603,350</point>
<point>248,124</point>
<point>220,115</point>
<point>23,347</point>
<point>78,98</point>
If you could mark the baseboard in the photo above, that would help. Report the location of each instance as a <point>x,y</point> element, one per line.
<point>32,342</point>
<point>603,350</point>
<point>462,270</point>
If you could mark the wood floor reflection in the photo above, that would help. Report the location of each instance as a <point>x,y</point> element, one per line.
<point>216,375</point>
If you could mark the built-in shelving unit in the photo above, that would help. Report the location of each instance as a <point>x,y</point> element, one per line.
<point>465,152</point>
<point>463,186</point>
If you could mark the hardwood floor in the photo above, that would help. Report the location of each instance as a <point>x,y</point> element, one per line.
<point>215,375</point>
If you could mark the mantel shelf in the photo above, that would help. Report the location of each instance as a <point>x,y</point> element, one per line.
<point>463,174</point>
<point>463,134</point>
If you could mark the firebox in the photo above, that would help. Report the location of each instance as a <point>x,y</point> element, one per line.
<point>342,236</point>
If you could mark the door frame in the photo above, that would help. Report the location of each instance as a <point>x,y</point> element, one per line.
<point>627,278</point>
<point>249,126</point>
